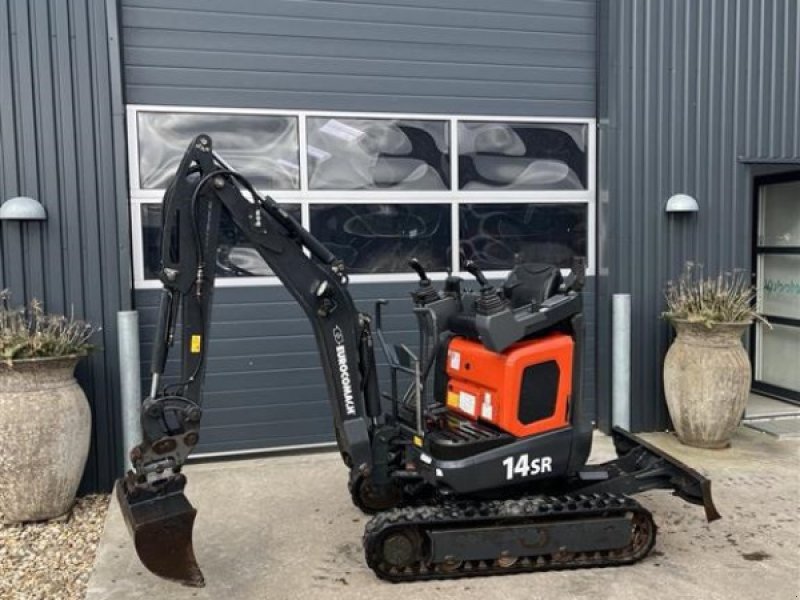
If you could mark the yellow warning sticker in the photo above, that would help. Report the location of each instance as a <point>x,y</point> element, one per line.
<point>194,348</point>
<point>452,399</point>
<point>418,441</point>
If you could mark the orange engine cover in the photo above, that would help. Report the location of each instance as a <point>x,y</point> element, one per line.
<point>524,390</point>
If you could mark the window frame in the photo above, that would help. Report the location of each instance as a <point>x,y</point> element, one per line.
<point>305,197</point>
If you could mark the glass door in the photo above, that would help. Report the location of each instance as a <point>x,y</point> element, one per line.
<point>776,351</point>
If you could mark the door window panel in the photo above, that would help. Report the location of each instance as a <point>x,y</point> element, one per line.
<point>781,214</point>
<point>264,148</point>
<point>780,349</point>
<point>493,234</point>
<point>381,238</point>
<point>522,156</point>
<point>780,294</point>
<point>236,257</point>
<point>777,258</point>
<point>366,154</point>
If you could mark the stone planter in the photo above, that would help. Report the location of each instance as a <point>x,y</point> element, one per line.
<point>45,429</point>
<point>707,382</point>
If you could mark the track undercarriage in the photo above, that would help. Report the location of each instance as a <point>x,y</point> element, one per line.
<point>588,520</point>
<point>498,537</point>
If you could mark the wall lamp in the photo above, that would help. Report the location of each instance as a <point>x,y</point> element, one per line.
<point>681,203</point>
<point>22,208</point>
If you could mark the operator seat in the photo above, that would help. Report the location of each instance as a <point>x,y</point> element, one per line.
<point>531,283</point>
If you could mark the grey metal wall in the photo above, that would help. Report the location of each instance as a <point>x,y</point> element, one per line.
<point>61,141</point>
<point>691,96</point>
<point>509,57</point>
<point>516,57</point>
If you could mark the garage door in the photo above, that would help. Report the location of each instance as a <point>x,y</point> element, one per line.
<point>390,131</point>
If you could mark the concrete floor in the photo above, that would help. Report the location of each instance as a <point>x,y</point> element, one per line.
<point>283,528</point>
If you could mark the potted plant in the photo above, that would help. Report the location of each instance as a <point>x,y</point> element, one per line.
<point>707,370</point>
<point>45,422</point>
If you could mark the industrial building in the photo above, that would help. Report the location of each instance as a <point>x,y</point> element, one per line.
<point>441,129</point>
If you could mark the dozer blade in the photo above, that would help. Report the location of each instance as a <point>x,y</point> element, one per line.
<point>647,465</point>
<point>161,526</point>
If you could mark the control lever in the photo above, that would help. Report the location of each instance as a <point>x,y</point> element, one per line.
<point>475,271</point>
<point>489,302</point>
<point>420,270</point>
<point>452,285</point>
<point>425,293</point>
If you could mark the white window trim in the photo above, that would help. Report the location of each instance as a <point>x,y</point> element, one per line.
<point>305,197</point>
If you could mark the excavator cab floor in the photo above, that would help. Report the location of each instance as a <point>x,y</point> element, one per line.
<point>161,527</point>
<point>458,437</point>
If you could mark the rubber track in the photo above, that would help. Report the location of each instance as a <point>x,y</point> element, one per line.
<point>525,510</point>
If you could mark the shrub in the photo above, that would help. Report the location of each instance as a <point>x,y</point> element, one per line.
<point>27,332</point>
<point>727,298</point>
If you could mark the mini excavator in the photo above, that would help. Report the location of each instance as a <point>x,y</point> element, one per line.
<point>473,464</point>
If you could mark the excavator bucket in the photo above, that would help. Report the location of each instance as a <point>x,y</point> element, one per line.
<point>161,526</point>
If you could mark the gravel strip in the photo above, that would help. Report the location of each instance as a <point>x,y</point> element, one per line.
<point>52,560</point>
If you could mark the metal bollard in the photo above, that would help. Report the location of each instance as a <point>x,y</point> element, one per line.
<point>621,361</point>
<point>130,383</point>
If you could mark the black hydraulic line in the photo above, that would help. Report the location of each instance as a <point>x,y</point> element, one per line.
<point>296,229</point>
<point>366,351</point>
<point>164,326</point>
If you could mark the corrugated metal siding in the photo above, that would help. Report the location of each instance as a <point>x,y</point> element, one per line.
<point>513,57</point>
<point>61,141</point>
<point>689,93</point>
<point>264,387</point>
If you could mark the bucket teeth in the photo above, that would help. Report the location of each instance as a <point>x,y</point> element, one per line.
<point>161,526</point>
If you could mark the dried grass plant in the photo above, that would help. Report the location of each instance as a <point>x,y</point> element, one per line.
<point>727,298</point>
<point>28,332</point>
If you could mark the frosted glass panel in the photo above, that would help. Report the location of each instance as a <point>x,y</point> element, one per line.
<point>264,148</point>
<point>522,156</point>
<point>780,356</point>
<point>366,154</point>
<point>780,293</point>
<point>781,216</point>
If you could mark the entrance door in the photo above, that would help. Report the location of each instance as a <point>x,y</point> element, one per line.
<point>776,351</point>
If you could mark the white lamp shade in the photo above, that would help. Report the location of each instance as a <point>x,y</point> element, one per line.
<point>22,208</point>
<point>681,203</point>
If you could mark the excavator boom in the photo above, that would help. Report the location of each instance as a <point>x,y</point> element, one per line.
<point>155,508</point>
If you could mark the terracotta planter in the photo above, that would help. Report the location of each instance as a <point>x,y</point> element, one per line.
<point>707,382</point>
<point>45,428</point>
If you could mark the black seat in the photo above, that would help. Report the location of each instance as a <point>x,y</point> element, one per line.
<point>531,283</point>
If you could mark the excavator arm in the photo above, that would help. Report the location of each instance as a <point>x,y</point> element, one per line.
<point>151,494</point>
